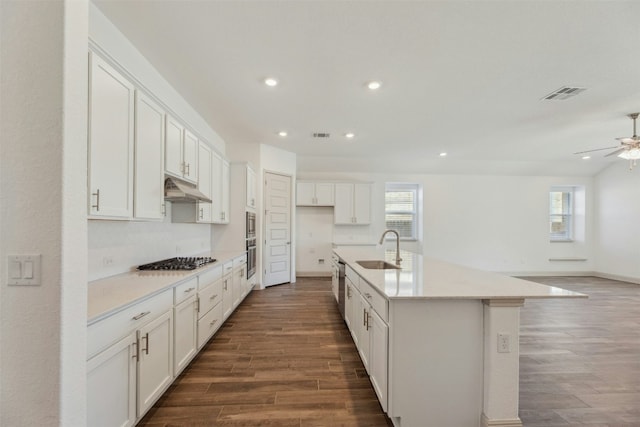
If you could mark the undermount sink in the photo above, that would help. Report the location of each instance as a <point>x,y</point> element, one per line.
<point>378,264</point>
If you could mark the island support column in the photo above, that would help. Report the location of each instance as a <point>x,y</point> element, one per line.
<point>501,362</point>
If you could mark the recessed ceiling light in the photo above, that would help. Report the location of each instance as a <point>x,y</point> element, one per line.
<point>374,85</point>
<point>443,154</point>
<point>349,135</point>
<point>586,157</point>
<point>282,133</point>
<point>270,81</point>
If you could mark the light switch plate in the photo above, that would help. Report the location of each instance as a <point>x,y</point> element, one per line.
<point>24,270</point>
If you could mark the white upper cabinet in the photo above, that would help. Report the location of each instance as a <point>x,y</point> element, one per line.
<point>204,182</point>
<point>111,142</point>
<point>149,156</point>
<point>352,203</point>
<point>251,188</point>
<point>220,190</point>
<point>181,151</point>
<point>315,193</point>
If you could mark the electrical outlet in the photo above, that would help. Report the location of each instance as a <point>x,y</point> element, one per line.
<point>320,260</point>
<point>107,261</point>
<point>504,343</point>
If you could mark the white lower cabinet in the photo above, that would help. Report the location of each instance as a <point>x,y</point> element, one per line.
<point>185,319</point>
<point>155,360</point>
<point>365,315</point>
<point>111,385</point>
<point>378,356</point>
<point>125,378</point>
<point>227,289</point>
<point>239,280</point>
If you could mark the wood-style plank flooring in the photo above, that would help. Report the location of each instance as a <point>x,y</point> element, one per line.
<point>580,359</point>
<point>285,358</point>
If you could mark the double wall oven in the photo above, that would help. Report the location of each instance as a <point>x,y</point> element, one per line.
<point>251,244</point>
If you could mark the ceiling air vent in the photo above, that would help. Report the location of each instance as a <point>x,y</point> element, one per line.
<point>321,134</point>
<point>564,93</point>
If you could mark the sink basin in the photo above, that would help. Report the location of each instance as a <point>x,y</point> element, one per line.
<point>378,264</point>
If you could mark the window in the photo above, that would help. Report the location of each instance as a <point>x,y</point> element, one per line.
<point>561,214</point>
<point>401,210</point>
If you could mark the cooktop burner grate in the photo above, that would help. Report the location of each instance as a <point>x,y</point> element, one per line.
<point>178,263</point>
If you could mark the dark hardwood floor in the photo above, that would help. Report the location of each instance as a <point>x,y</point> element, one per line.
<point>285,358</point>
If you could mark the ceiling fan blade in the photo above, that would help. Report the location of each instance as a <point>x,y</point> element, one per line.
<point>615,153</point>
<point>597,149</point>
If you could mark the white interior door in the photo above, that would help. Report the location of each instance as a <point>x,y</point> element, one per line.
<point>277,240</point>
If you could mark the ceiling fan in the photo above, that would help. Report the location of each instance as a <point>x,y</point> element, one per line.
<point>629,148</point>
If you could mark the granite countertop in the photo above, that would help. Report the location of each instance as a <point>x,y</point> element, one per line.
<point>111,294</point>
<point>426,278</point>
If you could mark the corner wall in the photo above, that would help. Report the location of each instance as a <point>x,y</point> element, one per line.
<point>617,228</point>
<point>43,151</point>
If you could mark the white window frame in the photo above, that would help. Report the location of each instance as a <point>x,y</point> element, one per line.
<point>568,216</point>
<point>398,186</point>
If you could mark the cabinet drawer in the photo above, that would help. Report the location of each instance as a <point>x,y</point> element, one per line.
<point>209,324</point>
<point>241,260</point>
<point>209,277</point>
<point>185,290</point>
<point>101,334</point>
<point>353,276</point>
<point>377,301</point>
<point>227,267</point>
<point>209,297</point>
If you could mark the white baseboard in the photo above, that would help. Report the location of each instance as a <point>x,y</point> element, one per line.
<point>634,280</point>
<point>313,273</point>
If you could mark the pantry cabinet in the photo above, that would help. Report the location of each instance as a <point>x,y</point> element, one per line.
<point>181,151</point>
<point>315,193</point>
<point>149,157</point>
<point>352,203</point>
<point>111,142</point>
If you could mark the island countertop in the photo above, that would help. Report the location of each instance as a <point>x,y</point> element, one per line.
<point>421,277</point>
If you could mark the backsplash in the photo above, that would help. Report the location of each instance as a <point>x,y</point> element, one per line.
<point>119,246</point>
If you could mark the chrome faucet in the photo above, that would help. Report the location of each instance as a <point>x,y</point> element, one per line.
<point>398,259</point>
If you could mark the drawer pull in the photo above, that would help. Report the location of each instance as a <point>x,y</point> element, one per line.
<point>213,322</point>
<point>136,352</point>
<point>140,316</point>
<point>367,294</point>
<point>213,297</point>
<point>188,290</point>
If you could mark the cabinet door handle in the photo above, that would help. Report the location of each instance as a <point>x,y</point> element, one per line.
<point>146,338</point>
<point>213,297</point>
<point>136,353</point>
<point>97,205</point>
<point>186,291</point>
<point>164,209</point>
<point>201,213</point>
<point>140,316</point>
<point>198,304</point>
<point>225,285</point>
<point>368,318</point>
<point>188,169</point>
<point>364,317</point>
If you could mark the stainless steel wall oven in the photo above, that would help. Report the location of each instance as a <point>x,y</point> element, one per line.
<point>251,244</point>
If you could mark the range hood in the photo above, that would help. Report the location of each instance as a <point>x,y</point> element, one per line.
<point>182,192</point>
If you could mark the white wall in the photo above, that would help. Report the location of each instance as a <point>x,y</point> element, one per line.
<point>119,246</point>
<point>617,222</point>
<point>43,197</point>
<point>496,223</point>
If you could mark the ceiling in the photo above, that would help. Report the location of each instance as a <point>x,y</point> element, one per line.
<point>466,78</point>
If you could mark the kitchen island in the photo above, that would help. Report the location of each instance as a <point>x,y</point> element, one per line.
<point>439,341</point>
